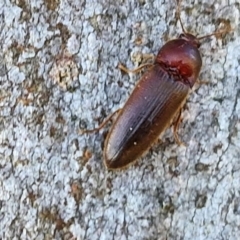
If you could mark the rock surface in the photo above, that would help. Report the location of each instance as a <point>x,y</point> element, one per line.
<point>58,73</point>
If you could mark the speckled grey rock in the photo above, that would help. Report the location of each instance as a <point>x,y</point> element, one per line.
<point>58,73</point>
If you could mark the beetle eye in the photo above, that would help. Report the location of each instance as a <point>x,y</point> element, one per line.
<point>182,35</point>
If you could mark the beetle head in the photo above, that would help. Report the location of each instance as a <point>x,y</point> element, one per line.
<point>190,38</point>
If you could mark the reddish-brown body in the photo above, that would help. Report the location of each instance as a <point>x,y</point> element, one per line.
<point>154,102</point>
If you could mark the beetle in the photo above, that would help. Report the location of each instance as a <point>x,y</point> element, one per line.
<point>155,101</point>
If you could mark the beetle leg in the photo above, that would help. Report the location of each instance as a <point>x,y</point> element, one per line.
<point>175,129</point>
<point>136,70</point>
<point>148,57</point>
<point>202,81</point>
<point>101,125</point>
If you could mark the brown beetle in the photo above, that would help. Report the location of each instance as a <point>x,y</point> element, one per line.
<point>155,101</point>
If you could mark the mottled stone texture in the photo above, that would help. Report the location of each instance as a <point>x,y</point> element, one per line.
<point>58,73</point>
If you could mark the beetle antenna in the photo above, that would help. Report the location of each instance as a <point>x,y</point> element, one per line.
<point>215,33</point>
<point>178,14</point>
